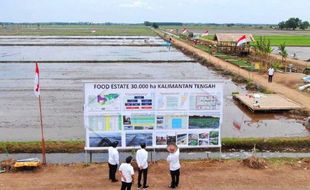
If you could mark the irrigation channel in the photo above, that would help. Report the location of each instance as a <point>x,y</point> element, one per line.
<point>115,57</point>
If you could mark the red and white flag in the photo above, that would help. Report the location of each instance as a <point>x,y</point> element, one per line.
<point>241,40</point>
<point>37,81</point>
<point>184,31</point>
<point>206,33</point>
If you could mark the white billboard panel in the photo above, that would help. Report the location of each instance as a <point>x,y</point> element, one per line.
<point>188,113</point>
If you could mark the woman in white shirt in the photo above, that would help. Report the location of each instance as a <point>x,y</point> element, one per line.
<point>127,174</point>
<point>174,165</point>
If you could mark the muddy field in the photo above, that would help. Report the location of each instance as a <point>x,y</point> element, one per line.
<point>301,53</point>
<point>195,175</point>
<point>62,99</point>
<point>62,90</point>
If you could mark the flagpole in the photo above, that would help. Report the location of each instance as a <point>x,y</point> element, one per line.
<point>42,135</point>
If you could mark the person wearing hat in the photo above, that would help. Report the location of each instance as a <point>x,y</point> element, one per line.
<point>113,161</point>
<point>174,165</point>
<point>141,158</point>
<point>127,174</point>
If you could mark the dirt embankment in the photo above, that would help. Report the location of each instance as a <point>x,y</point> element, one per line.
<point>278,86</point>
<point>198,175</point>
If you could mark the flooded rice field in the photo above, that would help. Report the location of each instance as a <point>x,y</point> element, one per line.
<point>302,53</point>
<point>62,91</point>
<point>95,53</point>
<point>81,40</point>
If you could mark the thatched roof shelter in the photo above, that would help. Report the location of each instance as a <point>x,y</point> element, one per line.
<point>231,37</point>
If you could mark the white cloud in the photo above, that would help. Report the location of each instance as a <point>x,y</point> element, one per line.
<point>137,4</point>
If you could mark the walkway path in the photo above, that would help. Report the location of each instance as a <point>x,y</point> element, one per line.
<point>299,97</point>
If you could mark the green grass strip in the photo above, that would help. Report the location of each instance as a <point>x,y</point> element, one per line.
<point>288,40</point>
<point>228,144</point>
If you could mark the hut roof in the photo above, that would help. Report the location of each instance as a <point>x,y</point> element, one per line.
<point>232,37</point>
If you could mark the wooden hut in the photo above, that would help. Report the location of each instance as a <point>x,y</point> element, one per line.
<point>227,43</point>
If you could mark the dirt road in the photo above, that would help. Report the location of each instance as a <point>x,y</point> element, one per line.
<point>277,86</point>
<point>198,175</point>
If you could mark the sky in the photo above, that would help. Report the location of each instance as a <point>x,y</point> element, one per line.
<point>138,11</point>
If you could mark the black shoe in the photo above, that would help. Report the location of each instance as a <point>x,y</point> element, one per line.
<point>145,188</point>
<point>115,180</point>
<point>171,187</point>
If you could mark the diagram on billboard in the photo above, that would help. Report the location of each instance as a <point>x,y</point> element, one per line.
<point>167,122</point>
<point>134,139</point>
<point>103,102</point>
<point>105,123</point>
<point>101,139</point>
<point>188,114</point>
<point>172,101</point>
<point>205,101</point>
<point>143,101</point>
<point>139,122</point>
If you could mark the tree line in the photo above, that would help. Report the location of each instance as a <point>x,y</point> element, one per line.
<point>293,23</point>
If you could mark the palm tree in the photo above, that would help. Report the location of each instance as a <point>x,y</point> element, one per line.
<point>263,47</point>
<point>283,52</point>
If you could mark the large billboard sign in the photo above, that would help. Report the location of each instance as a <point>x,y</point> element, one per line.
<point>188,113</point>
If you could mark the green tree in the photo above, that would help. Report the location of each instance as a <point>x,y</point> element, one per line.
<point>155,25</point>
<point>147,23</point>
<point>282,25</point>
<point>283,52</point>
<point>263,48</point>
<point>304,25</point>
<point>293,23</point>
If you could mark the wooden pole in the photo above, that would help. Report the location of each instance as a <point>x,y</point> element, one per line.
<point>42,135</point>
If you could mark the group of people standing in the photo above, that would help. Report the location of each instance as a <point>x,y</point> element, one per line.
<point>126,170</point>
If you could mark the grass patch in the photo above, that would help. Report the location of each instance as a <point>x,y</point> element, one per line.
<point>35,147</point>
<point>270,144</point>
<point>203,48</point>
<point>209,37</point>
<point>76,30</point>
<point>228,144</point>
<point>288,40</point>
<point>216,27</point>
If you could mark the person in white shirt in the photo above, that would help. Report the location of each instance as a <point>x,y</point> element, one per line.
<point>127,174</point>
<point>270,74</point>
<point>113,161</point>
<point>174,165</point>
<point>141,158</point>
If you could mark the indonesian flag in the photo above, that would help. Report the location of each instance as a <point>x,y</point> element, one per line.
<point>184,31</point>
<point>206,33</point>
<point>241,40</point>
<point>36,81</point>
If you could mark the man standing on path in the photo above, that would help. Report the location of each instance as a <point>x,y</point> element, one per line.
<point>141,158</point>
<point>270,74</point>
<point>127,174</point>
<point>113,161</point>
<point>174,165</point>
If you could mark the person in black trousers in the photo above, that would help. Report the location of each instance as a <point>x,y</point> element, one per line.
<point>141,158</point>
<point>113,161</point>
<point>174,165</point>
